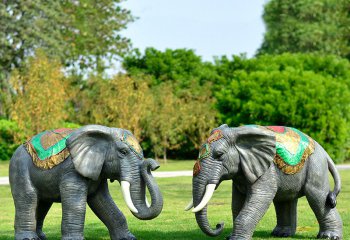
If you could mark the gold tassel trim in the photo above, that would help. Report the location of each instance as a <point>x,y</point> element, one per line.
<point>289,169</point>
<point>49,162</point>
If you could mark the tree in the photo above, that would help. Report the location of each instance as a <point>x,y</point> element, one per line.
<point>177,120</point>
<point>122,102</point>
<point>93,33</point>
<point>305,91</point>
<point>200,117</point>
<point>8,145</point>
<point>165,127</point>
<point>84,35</point>
<point>180,66</point>
<point>182,85</point>
<point>24,26</point>
<point>40,96</point>
<point>83,32</point>
<point>307,26</point>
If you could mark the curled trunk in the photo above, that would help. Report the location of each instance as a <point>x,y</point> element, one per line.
<point>202,221</point>
<point>138,192</point>
<point>201,216</point>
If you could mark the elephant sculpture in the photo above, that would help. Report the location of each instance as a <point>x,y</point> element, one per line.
<point>72,167</point>
<point>266,164</point>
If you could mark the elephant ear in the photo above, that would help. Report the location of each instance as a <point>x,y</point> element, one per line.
<point>221,128</point>
<point>88,147</point>
<point>256,148</point>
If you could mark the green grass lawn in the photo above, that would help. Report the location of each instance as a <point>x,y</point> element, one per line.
<point>175,165</point>
<point>4,168</point>
<point>174,223</point>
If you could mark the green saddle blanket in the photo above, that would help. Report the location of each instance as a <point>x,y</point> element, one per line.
<point>48,148</point>
<point>292,148</point>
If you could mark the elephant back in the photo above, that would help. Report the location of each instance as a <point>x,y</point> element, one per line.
<point>48,148</point>
<point>292,148</point>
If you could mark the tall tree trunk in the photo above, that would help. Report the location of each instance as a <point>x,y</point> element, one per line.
<point>5,94</point>
<point>155,156</point>
<point>164,155</point>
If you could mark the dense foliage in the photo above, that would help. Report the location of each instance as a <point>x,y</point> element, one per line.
<point>81,32</point>
<point>181,66</point>
<point>83,35</point>
<point>41,93</point>
<point>54,58</point>
<point>184,110</point>
<point>307,26</point>
<point>308,92</point>
<point>121,101</point>
<point>8,145</point>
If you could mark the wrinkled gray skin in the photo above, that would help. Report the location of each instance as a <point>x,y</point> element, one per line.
<point>245,155</point>
<point>96,155</point>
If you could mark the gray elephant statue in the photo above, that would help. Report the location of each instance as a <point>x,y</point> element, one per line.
<point>72,167</point>
<point>266,164</point>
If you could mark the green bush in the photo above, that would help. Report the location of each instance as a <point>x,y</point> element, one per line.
<point>181,85</point>
<point>71,125</point>
<point>7,140</point>
<point>7,143</point>
<point>308,92</point>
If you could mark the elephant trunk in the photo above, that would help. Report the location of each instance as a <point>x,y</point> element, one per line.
<point>201,196</point>
<point>203,223</point>
<point>138,192</point>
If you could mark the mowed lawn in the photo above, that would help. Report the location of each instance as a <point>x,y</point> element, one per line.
<point>4,168</point>
<point>174,222</point>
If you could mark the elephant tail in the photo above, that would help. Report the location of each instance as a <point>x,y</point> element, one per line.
<point>332,196</point>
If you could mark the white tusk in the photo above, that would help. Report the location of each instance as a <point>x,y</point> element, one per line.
<point>189,206</point>
<point>127,197</point>
<point>209,190</point>
<point>147,203</point>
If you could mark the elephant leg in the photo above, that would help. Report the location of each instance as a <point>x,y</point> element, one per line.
<point>286,213</point>
<point>24,195</point>
<point>105,209</point>
<point>26,200</point>
<point>258,199</point>
<point>328,218</point>
<point>42,210</point>
<point>73,190</point>
<point>25,222</point>
<point>238,200</point>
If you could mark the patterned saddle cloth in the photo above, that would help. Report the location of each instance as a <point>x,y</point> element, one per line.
<point>292,148</point>
<point>48,148</point>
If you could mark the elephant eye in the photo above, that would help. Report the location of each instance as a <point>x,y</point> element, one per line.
<point>123,151</point>
<point>218,155</point>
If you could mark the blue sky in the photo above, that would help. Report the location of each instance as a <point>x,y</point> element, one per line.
<point>211,28</point>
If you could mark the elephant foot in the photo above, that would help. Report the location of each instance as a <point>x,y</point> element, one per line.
<point>129,236</point>
<point>73,237</point>
<point>329,235</point>
<point>283,232</point>
<point>232,237</point>
<point>26,235</point>
<point>41,235</point>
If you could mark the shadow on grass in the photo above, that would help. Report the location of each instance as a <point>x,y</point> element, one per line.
<point>267,235</point>
<point>195,234</point>
<point>198,234</point>
<point>93,232</point>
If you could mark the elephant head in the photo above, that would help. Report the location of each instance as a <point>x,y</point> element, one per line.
<point>113,153</point>
<point>245,152</point>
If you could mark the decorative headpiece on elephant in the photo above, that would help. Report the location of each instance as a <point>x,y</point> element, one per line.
<point>72,167</point>
<point>266,164</point>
